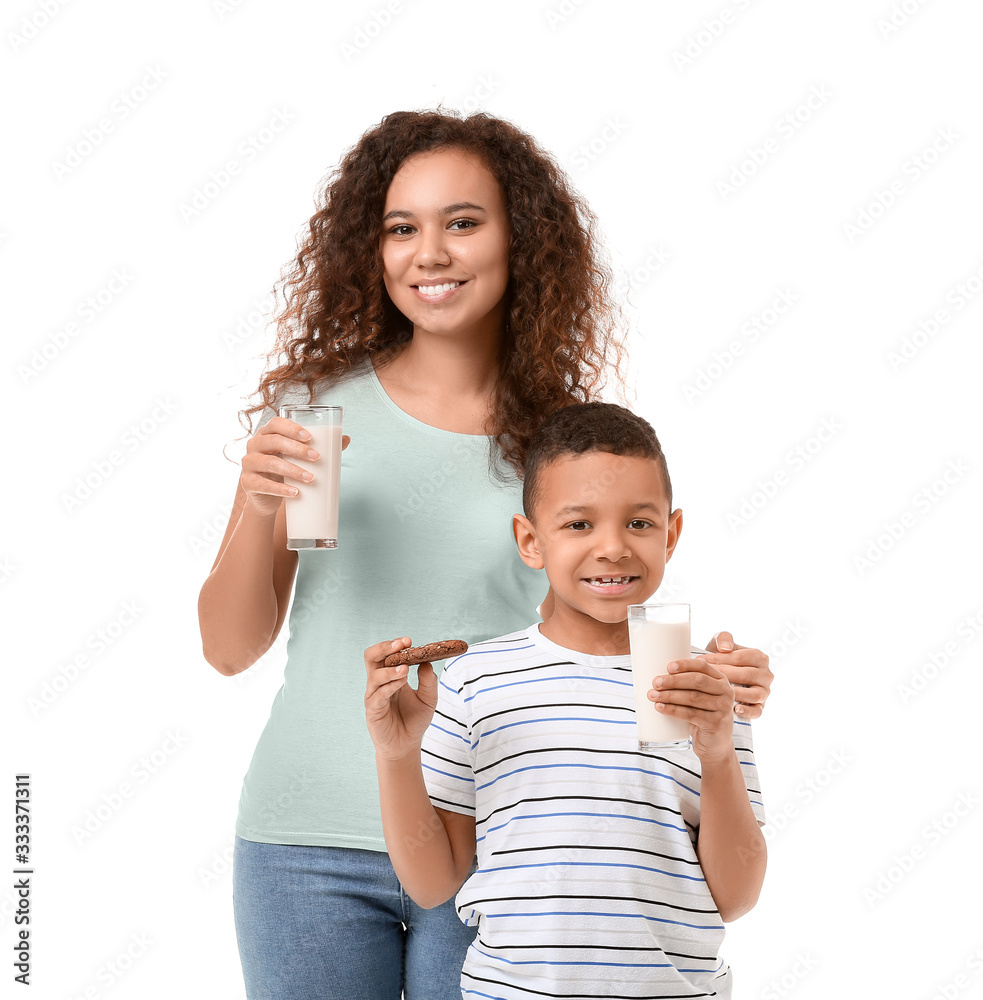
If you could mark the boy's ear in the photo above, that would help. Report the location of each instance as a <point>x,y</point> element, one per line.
<point>525,538</point>
<point>675,529</point>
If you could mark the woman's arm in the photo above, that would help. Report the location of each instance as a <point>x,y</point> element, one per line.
<point>243,602</point>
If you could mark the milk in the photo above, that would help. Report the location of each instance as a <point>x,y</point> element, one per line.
<point>653,646</point>
<point>312,515</point>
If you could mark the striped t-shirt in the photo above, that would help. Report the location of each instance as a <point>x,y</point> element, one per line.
<point>588,882</point>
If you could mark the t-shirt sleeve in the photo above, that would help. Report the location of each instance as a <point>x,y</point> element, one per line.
<point>288,394</point>
<point>745,754</point>
<point>446,752</point>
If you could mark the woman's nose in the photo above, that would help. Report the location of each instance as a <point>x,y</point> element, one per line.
<point>431,248</point>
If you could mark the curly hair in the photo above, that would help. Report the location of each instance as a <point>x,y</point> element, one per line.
<point>563,334</point>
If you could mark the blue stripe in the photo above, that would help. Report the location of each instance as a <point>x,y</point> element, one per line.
<point>542,680</point>
<point>447,774</point>
<point>457,736</point>
<point>617,965</point>
<point>622,816</point>
<point>591,913</point>
<point>485,652</point>
<point>720,965</point>
<point>596,864</point>
<point>529,722</point>
<point>590,767</point>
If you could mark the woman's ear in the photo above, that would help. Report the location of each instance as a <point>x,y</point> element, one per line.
<point>525,538</point>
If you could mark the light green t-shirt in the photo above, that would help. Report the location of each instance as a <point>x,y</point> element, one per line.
<point>425,549</point>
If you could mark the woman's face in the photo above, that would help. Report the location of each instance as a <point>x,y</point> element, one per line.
<point>445,245</point>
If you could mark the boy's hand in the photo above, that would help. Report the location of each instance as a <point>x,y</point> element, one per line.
<point>747,669</point>
<point>698,693</point>
<point>396,715</point>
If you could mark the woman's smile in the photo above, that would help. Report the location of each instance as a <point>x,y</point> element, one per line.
<point>440,291</point>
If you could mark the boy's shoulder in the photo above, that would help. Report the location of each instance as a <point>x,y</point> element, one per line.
<point>490,656</point>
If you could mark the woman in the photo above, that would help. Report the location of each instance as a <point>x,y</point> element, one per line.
<point>449,295</point>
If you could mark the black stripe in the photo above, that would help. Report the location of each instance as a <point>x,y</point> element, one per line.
<point>449,760</point>
<point>626,753</point>
<point>449,718</point>
<point>580,798</point>
<point>489,642</point>
<point>656,950</point>
<point>448,802</point>
<point>589,996</point>
<point>594,847</point>
<point>518,670</point>
<point>580,896</point>
<point>554,705</point>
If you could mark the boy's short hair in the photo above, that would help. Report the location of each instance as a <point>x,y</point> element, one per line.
<point>584,427</point>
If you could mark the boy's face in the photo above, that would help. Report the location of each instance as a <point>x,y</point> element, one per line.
<point>603,531</point>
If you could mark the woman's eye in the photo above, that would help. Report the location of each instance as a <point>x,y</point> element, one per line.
<point>401,230</point>
<point>466,223</point>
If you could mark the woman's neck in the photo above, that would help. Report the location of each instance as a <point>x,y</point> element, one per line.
<point>448,385</point>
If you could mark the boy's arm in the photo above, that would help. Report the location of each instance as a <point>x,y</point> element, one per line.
<point>730,844</point>
<point>431,849</point>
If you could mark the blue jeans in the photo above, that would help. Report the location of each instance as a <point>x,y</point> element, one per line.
<point>319,923</point>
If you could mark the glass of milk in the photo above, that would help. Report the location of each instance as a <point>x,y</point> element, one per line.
<point>312,515</point>
<point>657,635</point>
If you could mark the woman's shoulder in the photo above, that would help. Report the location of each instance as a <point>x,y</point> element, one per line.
<point>355,380</point>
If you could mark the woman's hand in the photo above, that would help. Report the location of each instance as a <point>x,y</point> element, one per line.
<point>267,462</point>
<point>396,715</point>
<point>747,669</point>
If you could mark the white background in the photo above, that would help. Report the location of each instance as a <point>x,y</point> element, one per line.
<point>651,108</point>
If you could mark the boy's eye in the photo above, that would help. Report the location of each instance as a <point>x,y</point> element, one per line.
<point>578,525</point>
<point>638,523</point>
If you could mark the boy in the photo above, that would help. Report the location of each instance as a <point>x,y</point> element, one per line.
<point>603,871</point>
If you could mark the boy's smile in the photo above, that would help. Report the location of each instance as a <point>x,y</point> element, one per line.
<point>603,531</point>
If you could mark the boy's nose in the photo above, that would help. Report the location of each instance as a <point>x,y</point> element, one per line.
<point>611,545</point>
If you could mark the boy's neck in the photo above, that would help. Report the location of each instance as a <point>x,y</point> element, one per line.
<point>586,635</point>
